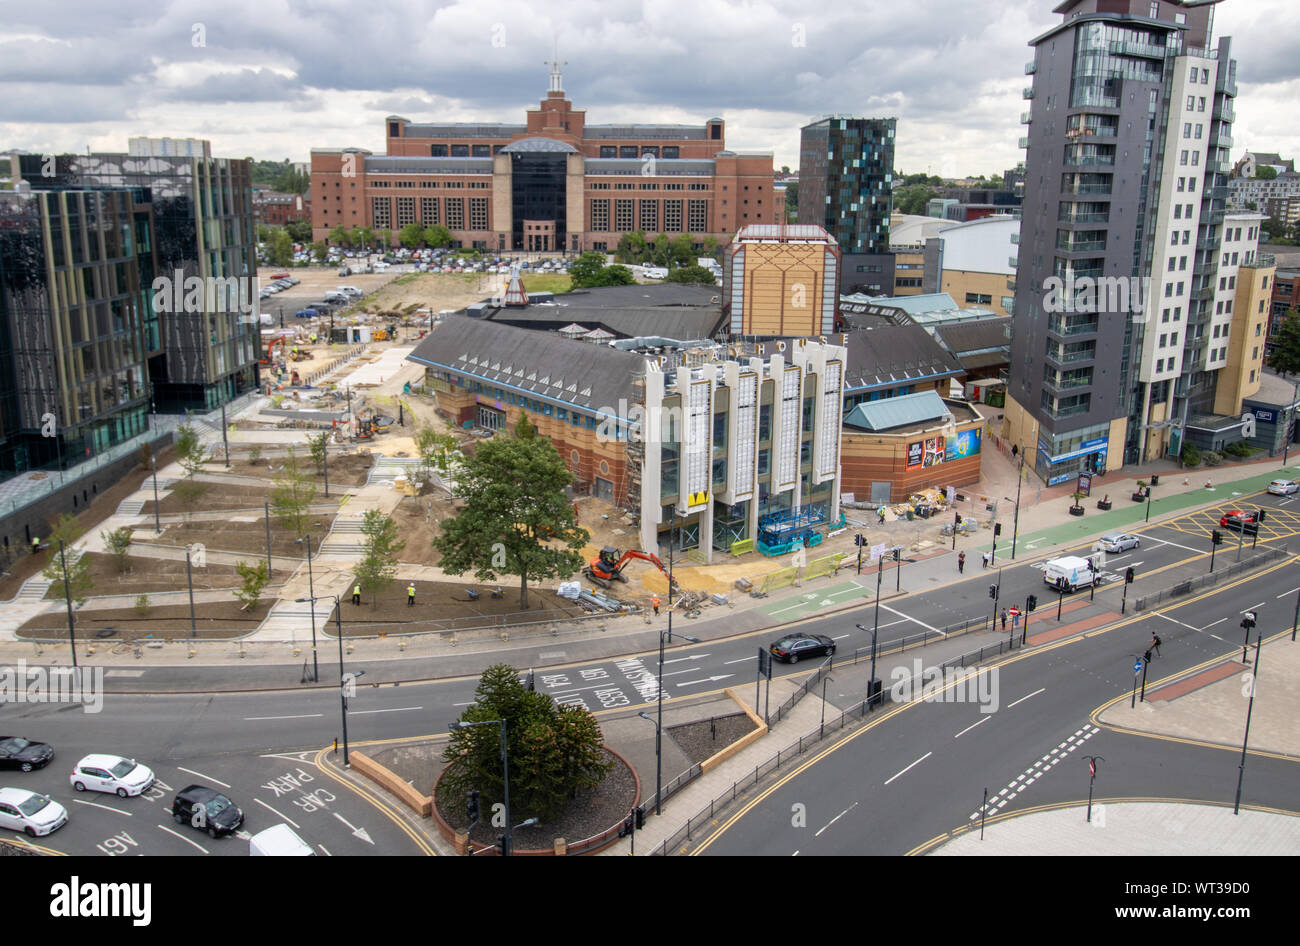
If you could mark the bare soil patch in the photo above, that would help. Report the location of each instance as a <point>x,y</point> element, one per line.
<point>705,738</point>
<point>213,620</point>
<point>151,575</point>
<point>445,606</point>
<point>244,538</point>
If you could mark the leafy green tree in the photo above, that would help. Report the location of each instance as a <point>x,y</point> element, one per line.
<point>1285,357</point>
<point>553,751</point>
<point>913,199</point>
<point>586,269</point>
<point>513,496</point>
<point>615,276</point>
<point>792,200</point>
<point>299,231</point>
<point>378,566</point>
<point>1265,172</point>
<point>385,238</point>
<point>436,236</point>
<point>410,235</point>
<point>292,495</point>
<point>436,450</point>
<point>692,274</point>
<point>711,247</point>
<point>683,250</point>
<point>255,578</point>
<point>191,455</point>
<point>366,238</point>
<point>662,251</point>
<point>263,233</point>
<point>118,544</point>
<point>280,252</point>
<point>339,236</point>
<point>320,251</point>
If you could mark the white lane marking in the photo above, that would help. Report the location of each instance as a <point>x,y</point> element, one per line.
<point>892,624</point>
<point>691,683</point>
<point>912,766</point>
<point>1172,621</point>
<point>396,709</point>
<point>971,726</point>
<point>182,837</point>
<point>1218,638</point>
<point>835,819</point>
<point>250,719</point>
<point>1285,593</point>
<point>1251,608</point>
<point>1208,626</point>
<point>908,617</point>
<point>741,659</point>
<point>1174,544</point>
<point>791,608</point>
<point>208,778</point>
<point>840,638</point>
<point>274,812</point>
<point>687,670</point>
<point>1023,698</point>
<point>93,804</point>
<point>322,847</point>
<point>1135,564</point>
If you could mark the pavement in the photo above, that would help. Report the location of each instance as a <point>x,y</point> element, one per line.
<point>1199,709</point>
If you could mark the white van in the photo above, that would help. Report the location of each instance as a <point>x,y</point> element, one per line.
<point>1070,572</point>
<point>279,841</point>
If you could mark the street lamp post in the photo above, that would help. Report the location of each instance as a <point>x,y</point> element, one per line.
<point>1137,668</point>
<point>1148,518</point>
<point>225,439</point>
<point>311,590</point>
<point>1245,739</point>
<point>67,597</point>
<point>153,464</point>
<point>1015,523</point>
<point>871,686</point>
<point>659,700</point>
<point>1092,777</point>
<point>189,580</point>
<point>343,689</point>
<point>821,731</point>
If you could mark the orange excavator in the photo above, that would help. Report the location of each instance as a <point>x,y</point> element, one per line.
<point>609,566</point>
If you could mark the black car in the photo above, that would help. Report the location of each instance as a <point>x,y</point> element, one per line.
<point>19,753</point>
<point>206,809</point>
<point>796,647</point>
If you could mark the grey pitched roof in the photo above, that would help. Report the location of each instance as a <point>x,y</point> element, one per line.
<point>974,336</point>
<point>536,364</point>
<point>898,411</point>
<point>671,310</point>
<point>893,355</point>
<point>539,144</point>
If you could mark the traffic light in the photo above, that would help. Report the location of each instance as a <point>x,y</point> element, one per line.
<point>858,540</point>
<point>1260,517</point>
<point>1129,575</point>
<point>997,528</point>
<point>1216,537</point>
<point>956,518</point>
<point>993,592</point>
<point>626,829</point>
<point>1031,602</point>
<point>1248,622</point>
<point>471,806</point>
<point>501,845</point>
<point>640,817</point>
<point>898,554</point>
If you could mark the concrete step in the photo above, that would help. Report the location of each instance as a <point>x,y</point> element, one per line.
<point>130,507</point>
<point>34,589</point>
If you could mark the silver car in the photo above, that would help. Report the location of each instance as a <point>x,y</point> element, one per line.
<point>1118,542</point>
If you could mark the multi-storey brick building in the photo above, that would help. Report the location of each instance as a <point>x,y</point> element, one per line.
<point>554,183</point>
<point>275,209</point>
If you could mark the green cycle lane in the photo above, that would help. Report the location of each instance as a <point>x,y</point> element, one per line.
<point>811,601</point>
<point>1097,523</point>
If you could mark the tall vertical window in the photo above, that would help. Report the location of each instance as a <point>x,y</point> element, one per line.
<point>455,213</point>
<point>623,215</point>
<point>478,213</point>
<point>429,211</point>
<point>698,216</point>
<point>380,211</point>
<point>650,215</point>
<point>673,216</point>
<point>600,214</point>
<point>405,211</point>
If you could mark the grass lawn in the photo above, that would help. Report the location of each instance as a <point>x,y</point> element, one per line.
<point>547,282</point>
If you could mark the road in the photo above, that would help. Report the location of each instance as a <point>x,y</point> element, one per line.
<point>262,744</point>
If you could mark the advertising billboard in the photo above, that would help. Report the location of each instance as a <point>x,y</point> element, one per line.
<point>965,444</point>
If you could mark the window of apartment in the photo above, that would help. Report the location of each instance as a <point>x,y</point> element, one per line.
<point>1187,237</point>
<point>1178,211</point>
<point>1192,76</point>
<point>460,151</point>
<point>1201,104</point>
<point>1182,158</point>
<point>1187,129</point>
<point>673,216</point>
<point>1164,341</point>
<point>1164,315</point>
<point>481,151</point>
<point>1196,158</point>
<point>671,151</point>
<point>698,216</point>
<point>1191,184</point>
<point>627,151</point>
<point>1191,102</point>
<point>609,151</point>
<point>1160,365</point>
<point>437,151</point>
<point>1182,184</point>
<point>1155,9</point>
<point>405,211</point>
<point>1199,126</point>
<point>1232,282</point>
<point>478,213</point>
<point>650,215</point>
<point>1173,238</point>
<point>1182,264</point>
<point>1172,263</point>
<point>1205,76</point>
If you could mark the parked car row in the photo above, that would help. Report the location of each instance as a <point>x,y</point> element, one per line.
<point>281,282</point>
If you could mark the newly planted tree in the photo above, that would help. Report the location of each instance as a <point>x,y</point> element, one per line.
<point>118,544</point>
<point>293,494</point>
<point>513,497</point>
<point>255,578</point>
<point>71,565</point>
<point>378,566</point>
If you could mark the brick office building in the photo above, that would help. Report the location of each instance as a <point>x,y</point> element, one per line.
<point>275,209</point>
<point>554,183</point>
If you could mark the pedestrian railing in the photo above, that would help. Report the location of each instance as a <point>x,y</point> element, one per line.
<point>704,818</point>
<point>1209,580</point>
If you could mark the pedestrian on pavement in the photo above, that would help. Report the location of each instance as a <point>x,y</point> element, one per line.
<point>356,593</point>
<point>1004,619</point>
<point>1155,643</point>
<point>655,603</point>
<point>36,545</point>
<point>881,513</point>
<point>961,562</point>
<point>984,557</point>
<point>410,595</point>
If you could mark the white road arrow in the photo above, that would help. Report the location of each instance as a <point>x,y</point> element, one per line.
<point>680,659</point>
<point>291,756</point>
<point>688,683</point>
<point>243,835</point>
<point>359,832</point>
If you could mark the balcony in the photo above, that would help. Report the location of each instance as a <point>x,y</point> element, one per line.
<point>1081,246</point>
<point>1091,161</point>
<point>1072,325</point>
<point>1091,131</point>
<point>1024,142</point>
<point>1084,218</point>
<point>1204,294</point>
<point>1130,47</point>
<point>1071,411</point>
<point>1087,189</point>
<point>1028,92</point>
<point>1065,356</point>
<point>1024,118</point>
<point>1068,382</point>
<point>1208,243</point>
<point>1030,68</point>
<point>1224,140</point>
<point>1011,285</point>
<point>1013,261</point>
<point>1091,98</point>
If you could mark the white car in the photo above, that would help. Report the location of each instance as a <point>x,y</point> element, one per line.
<point>1118,542</point>
<point>111,773</point>
<point>37,815</point>
<point>1283,487</point>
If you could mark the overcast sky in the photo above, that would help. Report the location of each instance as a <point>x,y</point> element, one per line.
<point>275,78</point>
